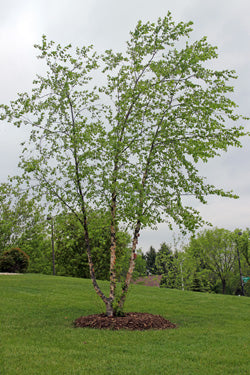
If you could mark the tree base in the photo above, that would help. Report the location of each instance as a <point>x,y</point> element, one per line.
<point>131,321</point>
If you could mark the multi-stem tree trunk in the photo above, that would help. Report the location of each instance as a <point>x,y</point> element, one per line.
<point>131,267</point>
<point>108,301</point>
<point>138,224</point>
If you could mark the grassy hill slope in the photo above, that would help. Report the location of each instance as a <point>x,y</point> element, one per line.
<point>37,336</point>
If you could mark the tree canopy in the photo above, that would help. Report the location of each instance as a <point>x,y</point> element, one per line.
<point>216,250</point>
<point>124,132</point>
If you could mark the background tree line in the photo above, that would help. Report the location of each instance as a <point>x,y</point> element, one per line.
<point>213,261</point>
<point>24,225</point>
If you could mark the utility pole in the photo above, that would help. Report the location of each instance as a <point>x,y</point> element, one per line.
<point>241,278</point>
<point>50,218</point>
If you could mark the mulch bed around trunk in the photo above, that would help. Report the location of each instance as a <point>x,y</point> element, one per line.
<point>131,321</point>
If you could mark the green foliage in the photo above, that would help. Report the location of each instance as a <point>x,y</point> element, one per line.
<point>166,103</point>
<point>71,255</point>
<point>127,140</point>
<point>164,259</point>
<point>140,265</point>
<point>150,261</point>
<point>22,225</point>
<point>17,215</point>
<point>243,242</point>
<point>167,264</point>
<point>39,249</point>
<point>200,281</point>
<point>70,248</point>
<point>14,260</point>
<point>211,261</point>
<point>7,263</point>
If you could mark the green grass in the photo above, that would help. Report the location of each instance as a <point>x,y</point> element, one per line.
<point>37,336</point>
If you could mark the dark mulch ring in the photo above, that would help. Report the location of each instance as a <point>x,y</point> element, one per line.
<point>131,321</point>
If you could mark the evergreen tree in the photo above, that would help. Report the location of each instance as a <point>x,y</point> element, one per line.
<point>150,261</point>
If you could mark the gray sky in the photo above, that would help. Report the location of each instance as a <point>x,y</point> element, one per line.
<point>106,24</point>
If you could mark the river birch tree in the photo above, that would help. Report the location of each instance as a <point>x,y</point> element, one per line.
<point>123,132</point>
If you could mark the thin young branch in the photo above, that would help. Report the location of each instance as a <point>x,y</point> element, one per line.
<point>84,212</point>
<point>138,224</point>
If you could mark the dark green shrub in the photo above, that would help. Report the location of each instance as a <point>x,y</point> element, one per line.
<point>7,263</point>
<point>14,260</point>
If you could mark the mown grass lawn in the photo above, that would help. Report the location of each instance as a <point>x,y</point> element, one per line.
<point>37,335</point>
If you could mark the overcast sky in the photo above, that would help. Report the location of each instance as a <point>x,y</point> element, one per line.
<point>106,24</point>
